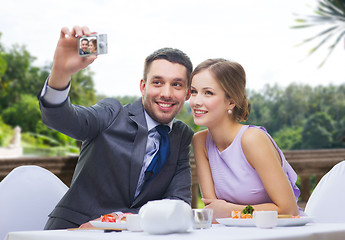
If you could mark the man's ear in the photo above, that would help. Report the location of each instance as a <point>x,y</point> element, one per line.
<point>142,86</point>
<point>188,94</point>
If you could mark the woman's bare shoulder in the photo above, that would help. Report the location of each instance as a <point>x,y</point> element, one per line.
<point>199,139</point>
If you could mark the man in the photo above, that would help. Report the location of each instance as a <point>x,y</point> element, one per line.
<point>84,46</point>
<point>119,142</point>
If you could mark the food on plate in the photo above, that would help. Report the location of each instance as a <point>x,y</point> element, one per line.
<point>248,210</point>
<point>114,218</point>
<point>123,217</point>
<point>236,214</point>
<point>246,213</point>
<point>108,218</point>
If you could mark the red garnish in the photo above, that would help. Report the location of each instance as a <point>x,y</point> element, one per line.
<point>108,218</point>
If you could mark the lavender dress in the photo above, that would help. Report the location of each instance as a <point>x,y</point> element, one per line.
<point>235,180</point>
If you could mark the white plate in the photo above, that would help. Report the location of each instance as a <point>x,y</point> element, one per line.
<point>282,222</point>
<point>113,225</point>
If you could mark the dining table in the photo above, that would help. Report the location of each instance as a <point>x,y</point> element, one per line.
<point>310,231</point>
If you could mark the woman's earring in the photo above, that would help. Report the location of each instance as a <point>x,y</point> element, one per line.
<point>229,111</point>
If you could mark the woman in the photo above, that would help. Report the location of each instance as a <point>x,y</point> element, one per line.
<point>237,165</point>
<point>93,46</point>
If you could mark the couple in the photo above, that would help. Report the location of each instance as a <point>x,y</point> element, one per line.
<point>119,142</point>
<point>88,46</point>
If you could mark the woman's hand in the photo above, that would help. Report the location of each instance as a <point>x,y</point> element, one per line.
<point>221,208</point>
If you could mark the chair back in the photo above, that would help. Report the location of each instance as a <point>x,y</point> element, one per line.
<point>28,194</point>
<point>326,203</point>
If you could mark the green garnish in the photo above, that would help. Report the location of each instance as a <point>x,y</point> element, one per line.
<point>248,210</point>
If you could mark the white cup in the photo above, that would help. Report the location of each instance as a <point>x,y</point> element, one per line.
<point>202,218</point>
<point>133,223</point>
<point>265,219</point>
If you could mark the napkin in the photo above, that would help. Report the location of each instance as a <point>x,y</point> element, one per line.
<point>166,216</point>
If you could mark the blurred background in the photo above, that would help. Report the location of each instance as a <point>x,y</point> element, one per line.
<point>296,92</point>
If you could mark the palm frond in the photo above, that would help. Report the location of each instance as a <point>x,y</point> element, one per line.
<point>328,12</point>
<point>332,47</point>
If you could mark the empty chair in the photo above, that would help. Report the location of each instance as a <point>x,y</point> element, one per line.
<point>326,203</point>
<point>27,195</point>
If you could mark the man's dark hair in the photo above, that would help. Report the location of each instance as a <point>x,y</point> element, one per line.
<point>85,39</point>
<point>172,55</point>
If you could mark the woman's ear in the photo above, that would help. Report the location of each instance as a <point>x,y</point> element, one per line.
<point>232,104</point>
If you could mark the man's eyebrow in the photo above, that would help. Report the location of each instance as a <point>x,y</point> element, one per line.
<point>178,80</point>
<point>157,77</point>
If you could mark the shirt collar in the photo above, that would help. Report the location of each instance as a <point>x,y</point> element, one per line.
<point>152,123</point>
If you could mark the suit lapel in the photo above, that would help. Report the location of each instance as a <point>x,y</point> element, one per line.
<point>172,157</point>
<point>136,114</point>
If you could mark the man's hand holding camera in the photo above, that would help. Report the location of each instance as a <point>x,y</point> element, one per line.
<point>67,59</point>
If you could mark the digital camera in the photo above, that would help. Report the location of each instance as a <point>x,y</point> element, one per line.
<point>92,44</point>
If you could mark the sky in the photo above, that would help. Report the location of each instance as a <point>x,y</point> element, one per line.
<point>257,34</point>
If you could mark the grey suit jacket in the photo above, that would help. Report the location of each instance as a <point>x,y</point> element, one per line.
<point>114,142</point>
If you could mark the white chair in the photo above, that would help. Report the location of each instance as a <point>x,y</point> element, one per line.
<point>326,203</point>
<point>27,195</point>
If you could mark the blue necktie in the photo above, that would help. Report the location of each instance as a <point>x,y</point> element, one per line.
<point>162,154</point>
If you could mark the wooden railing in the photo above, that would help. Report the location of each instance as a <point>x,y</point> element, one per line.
<point>313,162</point>
<point>63,167</point>
<point>306,163</point>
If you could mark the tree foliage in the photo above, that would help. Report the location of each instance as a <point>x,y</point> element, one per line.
<point>24,113</point>
<point>318,131</point>
<point>20,83</point>
<point>298,116</point>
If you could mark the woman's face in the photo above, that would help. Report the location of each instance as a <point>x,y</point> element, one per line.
<point>91,47</point>
<point>208,100</point>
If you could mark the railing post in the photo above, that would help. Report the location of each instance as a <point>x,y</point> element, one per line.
<point>305,188</point>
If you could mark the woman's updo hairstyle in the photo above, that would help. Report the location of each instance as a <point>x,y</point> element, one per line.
<point>232,78</point>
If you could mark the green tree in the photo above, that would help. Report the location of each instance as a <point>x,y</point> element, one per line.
<point>318,131</point>
<point>20,76</point>
<point>82,88</point>
<point>264,108</point>
<point>3,63</point>
<point>330,13</point>
<point>339,134</point>
<point>289,138</point>
<point>24,113</point>
<point>6,133</point>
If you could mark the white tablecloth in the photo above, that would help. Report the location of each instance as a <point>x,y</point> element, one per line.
<point>218,231</point>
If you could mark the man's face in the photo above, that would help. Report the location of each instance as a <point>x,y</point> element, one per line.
<point>165,90</point>
<point>84,45</point>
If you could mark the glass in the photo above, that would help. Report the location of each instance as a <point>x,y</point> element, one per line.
<point>202,218</point>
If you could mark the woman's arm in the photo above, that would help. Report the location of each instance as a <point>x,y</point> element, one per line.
<point>265,159</point>
<point>203,166</point>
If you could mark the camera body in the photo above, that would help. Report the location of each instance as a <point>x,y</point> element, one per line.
<point>92,44</point>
